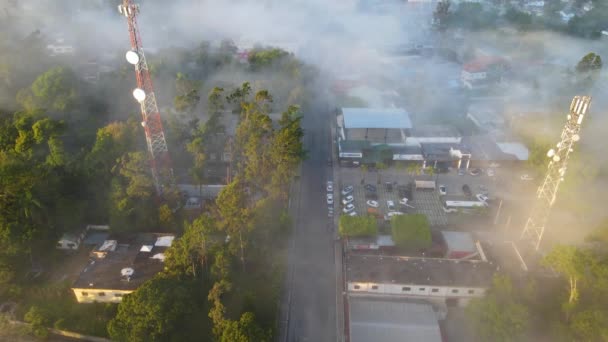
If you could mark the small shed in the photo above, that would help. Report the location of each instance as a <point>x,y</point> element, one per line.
<point>459,245</point>
<point>425,185</point>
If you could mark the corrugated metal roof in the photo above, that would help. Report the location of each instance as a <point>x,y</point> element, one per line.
<point>392,321</point>
<point>376,118</point>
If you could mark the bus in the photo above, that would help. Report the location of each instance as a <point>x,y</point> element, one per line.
<point>452,206</point>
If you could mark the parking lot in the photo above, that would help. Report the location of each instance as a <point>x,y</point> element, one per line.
<point>425,202</point>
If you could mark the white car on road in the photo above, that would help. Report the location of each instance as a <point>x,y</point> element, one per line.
<point>330,186</point>
<point>348,199</point>
<point>372,203</point>
<point>330,199</point>
<point>348,208</point>
<point>443,190</point>
<point>390,205</point>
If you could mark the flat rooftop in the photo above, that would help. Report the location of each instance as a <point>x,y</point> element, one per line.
<point>418,271</point>
<point>392,321</point>
<point>376,118</point>
<point>105,273</point>
<point>426,131</point>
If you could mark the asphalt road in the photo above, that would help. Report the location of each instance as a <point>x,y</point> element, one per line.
<point>311,290</point>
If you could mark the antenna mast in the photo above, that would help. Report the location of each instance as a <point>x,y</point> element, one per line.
<point>547,192</point>
<point>160,161</point>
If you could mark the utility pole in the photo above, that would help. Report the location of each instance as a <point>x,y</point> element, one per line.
<point>160,161</point>
<point>547,191</point>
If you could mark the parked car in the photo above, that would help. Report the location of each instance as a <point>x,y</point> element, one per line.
<point>330,214</point>
<point>467,190</point>
<point>348,208</point>
<point>330,186</point>
<point>475,172</point>
<point>347,190</point>
<point>372,203</point>
<point>526,178</point>
<point>348,199</point>
<point>482,198</point>
<point>443,190</point>
<point>370,188</point>
<point>388,186</point>
<point>490,172</point>
<point>390,205</point>
<point>461,172</point>
<point>330,199</point>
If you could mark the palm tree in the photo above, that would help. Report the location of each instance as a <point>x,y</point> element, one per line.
<point>380,166</point>
<point>364,170</point>
<point>414,169</point>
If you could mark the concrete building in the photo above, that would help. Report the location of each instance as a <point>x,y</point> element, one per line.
<point>483,72</point>
<point>381,320</point>
<point>119,265</point>
<point>439,281</point>
<point>370,135</point>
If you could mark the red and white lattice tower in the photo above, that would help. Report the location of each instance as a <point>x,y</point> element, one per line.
<point>160,161</point>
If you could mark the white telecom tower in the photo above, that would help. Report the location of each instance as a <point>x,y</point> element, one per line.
<point>547,191</point>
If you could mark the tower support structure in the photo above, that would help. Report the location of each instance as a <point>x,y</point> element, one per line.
<point>558,162</point>
<point>160,161</point>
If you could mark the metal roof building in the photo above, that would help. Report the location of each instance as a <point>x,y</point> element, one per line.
<point>376,118</point>
<point>392,321</point>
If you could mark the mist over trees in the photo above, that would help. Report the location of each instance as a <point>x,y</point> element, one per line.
<point>72,152</point>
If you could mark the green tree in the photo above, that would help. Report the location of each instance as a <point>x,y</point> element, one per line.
<point>55,90</point>
<point>244,330</point>
<point>133,193</point>
<point>232,204</point>
<point>521,20</point>
<point>353,226</point>
<point>286,152</point>
<point>411,231</point>
<point>414,169</point>
<point>156,311</point>
<point>379,167</point>
<point>498,316</point>
<point>39,319</point>
<point>187,93</point>
<point>189,254</point>
<point>589,66</point>
<point>440,16</point>
<point>572,263</point>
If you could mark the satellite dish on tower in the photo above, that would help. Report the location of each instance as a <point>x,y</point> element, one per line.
<point>139,94</point>
<point>132,57</point>
<point>127,272</point>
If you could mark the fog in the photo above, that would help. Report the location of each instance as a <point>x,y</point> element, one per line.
<point>343,39</point>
